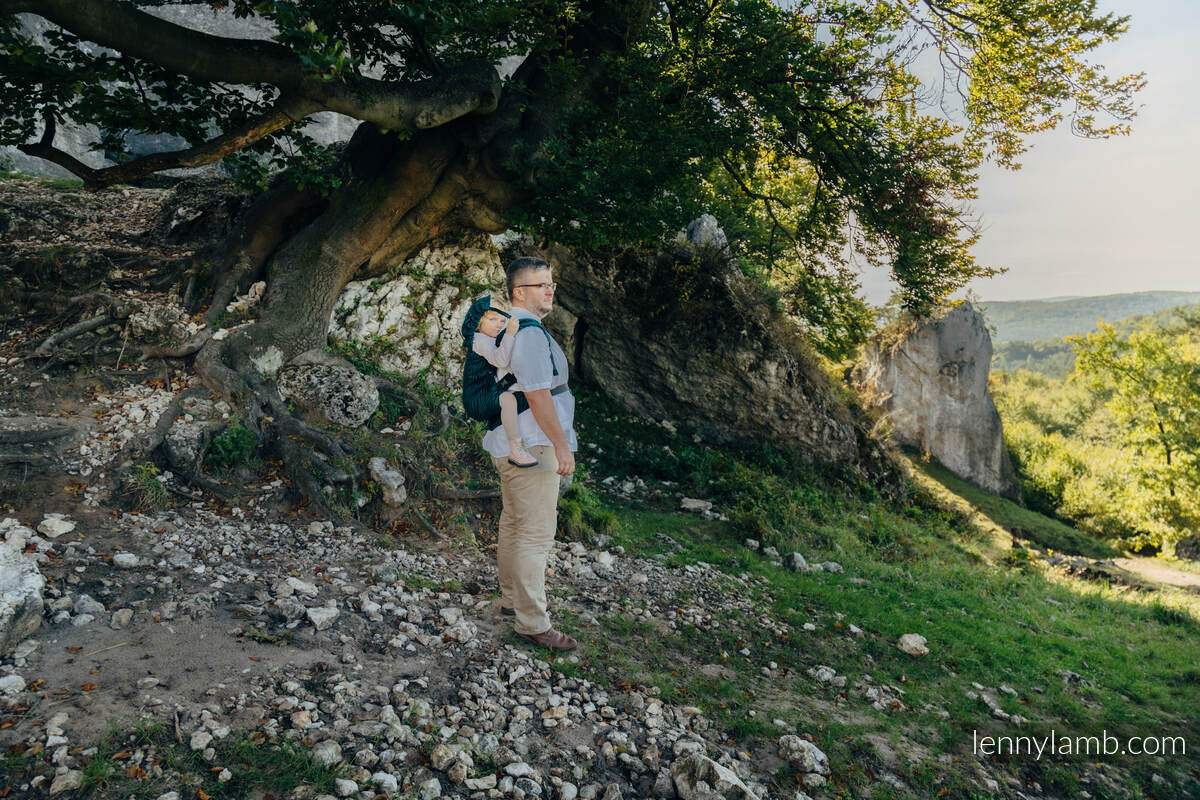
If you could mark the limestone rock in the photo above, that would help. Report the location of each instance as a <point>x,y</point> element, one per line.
<point>932,380</point>
<point>322,617</point>
<point>803,754</point>
<point>391,482</point>
<point>721,364</point>
<point>21,585</point>
<point>696,769</point>
<point>339,394</point>
<point>55,525</point>
<point>704,231</point>
<point>420,310</point>
<point>914,644</point>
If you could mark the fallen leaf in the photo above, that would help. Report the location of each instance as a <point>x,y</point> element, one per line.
<point>136,772</point>
<point>90,687</point>
<point>74,649</point>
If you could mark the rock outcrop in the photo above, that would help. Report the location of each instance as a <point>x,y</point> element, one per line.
<point>682,337</point>
<point>931,377</point>
<point>412,319</point>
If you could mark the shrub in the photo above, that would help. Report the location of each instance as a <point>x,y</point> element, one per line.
<point>231,447</point>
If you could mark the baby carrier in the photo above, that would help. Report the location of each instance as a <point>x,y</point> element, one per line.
<point>480,389</point>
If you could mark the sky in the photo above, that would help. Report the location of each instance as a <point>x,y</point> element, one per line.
<point>1090,217</point>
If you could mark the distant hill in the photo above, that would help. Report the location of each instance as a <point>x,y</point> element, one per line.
<point>1030,320</point>
<point>1055,358</point>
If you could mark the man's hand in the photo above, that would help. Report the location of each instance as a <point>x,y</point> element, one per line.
<point>541,405</point>
<point>566,460</point>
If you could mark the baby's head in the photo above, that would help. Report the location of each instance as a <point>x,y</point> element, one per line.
<point>492,322</point>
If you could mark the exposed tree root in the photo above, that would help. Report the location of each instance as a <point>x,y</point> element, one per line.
<point>190,347</point>
<point>427,525</point>
<point>442,493</point>
<point>311,458</point>
<point>35,436</point>
<point>47,348</point>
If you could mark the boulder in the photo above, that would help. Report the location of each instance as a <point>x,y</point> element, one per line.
<point>931,377</point>
<point>341,395</point>
<point>21,585</point>
<point>682,337</point>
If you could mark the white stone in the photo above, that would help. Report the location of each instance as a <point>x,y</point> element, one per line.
<point>421,310</point>
<point>481,784</point>
<point>914,644</point>
<point>390,482</point>
<point>302,587</point>
<point>327,752</point>
<point>692,504</point>
<point>69,781</point>
<point>385,783</point>
<point>201,740</point>
<point>21,605</point>
<point>430,789</point>
<point>126,560</point>
<point>932,380</point>
<point>12,684</point>
<point>519,769</point>
<point>322,617</point>
<point>55,526</point>
<point>803,754</point>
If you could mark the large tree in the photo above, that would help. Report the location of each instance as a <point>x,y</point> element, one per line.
<point>622,121</point>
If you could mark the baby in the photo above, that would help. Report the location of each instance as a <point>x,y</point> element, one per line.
<point>498,355</point>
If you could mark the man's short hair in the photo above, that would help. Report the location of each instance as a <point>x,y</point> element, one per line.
<point>514,271</point>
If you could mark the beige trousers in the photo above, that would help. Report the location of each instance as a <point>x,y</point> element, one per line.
<point>527,525</point>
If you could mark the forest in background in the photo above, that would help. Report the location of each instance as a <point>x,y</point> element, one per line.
<point>1104,428</point>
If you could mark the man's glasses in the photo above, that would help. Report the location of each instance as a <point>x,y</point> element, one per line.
<point>540,286</point>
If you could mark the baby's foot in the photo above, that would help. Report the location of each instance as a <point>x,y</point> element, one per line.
<point>518,456</point>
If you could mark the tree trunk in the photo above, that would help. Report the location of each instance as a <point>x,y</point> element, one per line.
<point>395,196</point>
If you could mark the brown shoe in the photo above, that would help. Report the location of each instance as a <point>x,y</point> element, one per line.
<point>508,612</point>
<point>555,640</point>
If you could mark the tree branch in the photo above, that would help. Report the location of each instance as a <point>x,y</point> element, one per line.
<point>282,114</point>
<point>470,88</point>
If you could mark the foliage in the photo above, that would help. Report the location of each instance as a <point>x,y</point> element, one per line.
<point>1155,380</point>
<point>1092,448</point>
<point>581,515</point>
<point>231,447</point>
<point>806,122</point>
<point>148,490</point>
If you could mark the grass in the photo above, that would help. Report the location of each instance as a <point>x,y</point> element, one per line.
<point>253,761</point>
<point>936,564</point>
<point>1008,516</point>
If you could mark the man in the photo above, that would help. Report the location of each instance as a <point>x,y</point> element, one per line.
<point>530,493</point>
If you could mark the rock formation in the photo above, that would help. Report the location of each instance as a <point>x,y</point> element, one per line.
<point>682,337</point>
<point>931,377</point>
<point>413,319</point>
